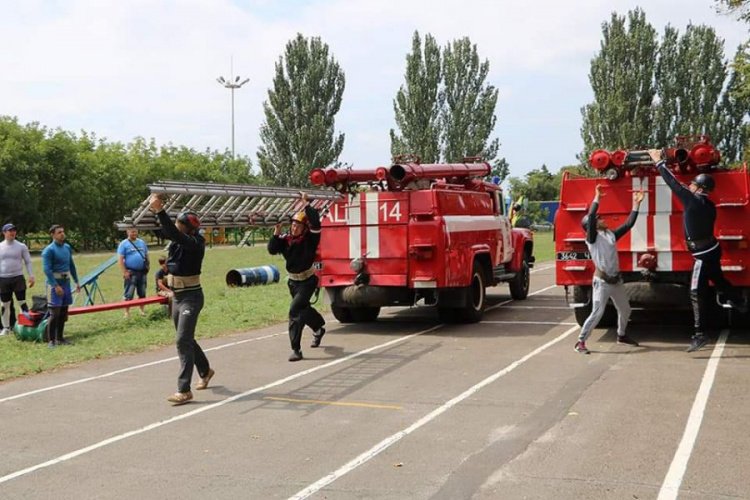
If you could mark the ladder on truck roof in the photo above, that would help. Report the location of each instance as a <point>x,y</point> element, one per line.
<point>227,205</point>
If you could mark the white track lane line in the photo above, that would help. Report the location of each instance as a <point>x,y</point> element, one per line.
<point>131,368</point>
<point>510,322</point>
<point>671,486</point>
<point>153,363</point>
<point>389,441</point>
<point>511,300</point>
<point>183,416</point>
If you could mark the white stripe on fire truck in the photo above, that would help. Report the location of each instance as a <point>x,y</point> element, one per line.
<point>662,226</point>
<point>639,233</point>
<point>464,223</point>
<point>373,224</point>
<point>354,218</point>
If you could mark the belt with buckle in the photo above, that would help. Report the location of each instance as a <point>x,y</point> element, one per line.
<point>303,275</point>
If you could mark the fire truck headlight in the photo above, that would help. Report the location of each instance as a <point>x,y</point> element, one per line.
<point>357,265</point>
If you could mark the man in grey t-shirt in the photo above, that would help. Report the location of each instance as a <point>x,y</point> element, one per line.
<point>13,256</point>
<point>607,283</point>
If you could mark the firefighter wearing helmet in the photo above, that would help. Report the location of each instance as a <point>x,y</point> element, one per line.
<point>298,248</point>
<point>184,265</point>
<point>698,218</point>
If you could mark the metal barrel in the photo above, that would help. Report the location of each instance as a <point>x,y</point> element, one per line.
<point>250,276</point>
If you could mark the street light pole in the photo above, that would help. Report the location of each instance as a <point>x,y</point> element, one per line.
<point>232,83</point>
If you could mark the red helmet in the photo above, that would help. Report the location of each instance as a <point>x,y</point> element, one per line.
<point>190,219</point>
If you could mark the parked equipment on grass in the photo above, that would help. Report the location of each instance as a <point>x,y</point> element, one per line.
<point>654,260</point>
<point>250,276</point>
<point>413,234</point>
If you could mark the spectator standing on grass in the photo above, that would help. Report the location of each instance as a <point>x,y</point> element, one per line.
<point>57,259</point>
<point>132,254</point>
<point>161,279</point>
<point>184,263</point>
<point>602,245</point>
<point>14,255</point>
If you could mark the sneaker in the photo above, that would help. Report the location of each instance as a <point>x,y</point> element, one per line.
<point>143,314</point>
<point>51,345</point>
<point>64,342</point>
<point>203,383</point>
<point>180,398</point>
<point>698,342</point>
<point>295,356</point>
<point>625,340</point>
<point>5,331</point>
<point>317,336</point>
<point>581,347</point>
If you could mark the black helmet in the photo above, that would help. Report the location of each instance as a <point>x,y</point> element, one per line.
<point>705,182</point>
<point>190,219</point>
<point>585,221</point>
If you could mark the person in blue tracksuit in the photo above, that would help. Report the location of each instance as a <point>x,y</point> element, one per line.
<point>59,268</point>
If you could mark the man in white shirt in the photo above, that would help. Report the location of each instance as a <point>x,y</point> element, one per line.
<point>607,283</point>
<point>13,255</point>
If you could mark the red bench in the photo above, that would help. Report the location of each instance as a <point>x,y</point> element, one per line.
<point>117,305</point>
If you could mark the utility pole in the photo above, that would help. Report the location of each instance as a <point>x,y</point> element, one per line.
<point>232,83</point>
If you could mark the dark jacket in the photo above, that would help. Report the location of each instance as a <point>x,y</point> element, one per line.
<point>186,250</point>
<point>298,252</point>
<point>699,213</point>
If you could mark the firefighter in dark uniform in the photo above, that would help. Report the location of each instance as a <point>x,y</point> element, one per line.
<point>298,248</point>
<point>698,218</point>
<point>184,265</point>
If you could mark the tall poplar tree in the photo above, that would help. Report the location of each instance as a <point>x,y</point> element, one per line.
<point>418,103</point>
<point>468,117</point>
<point>298,132</point>
<point>622,79</point>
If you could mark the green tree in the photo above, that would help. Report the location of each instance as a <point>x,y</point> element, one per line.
<point>418,103</point>
<point>740,8</point>
<point>298,132</point>
<point>537,185</point>
<point>622,79</point>
<point>468,117</point>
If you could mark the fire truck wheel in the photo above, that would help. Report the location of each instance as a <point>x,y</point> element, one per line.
<point>355,314</point>
<point>519,286</point>
<point>477,291</point>
<point>342,314</point>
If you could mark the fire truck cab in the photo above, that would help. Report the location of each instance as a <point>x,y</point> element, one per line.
<point>654,260</point>
<point>426,235</point>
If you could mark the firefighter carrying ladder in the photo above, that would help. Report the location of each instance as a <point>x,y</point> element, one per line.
<point>227,205</point>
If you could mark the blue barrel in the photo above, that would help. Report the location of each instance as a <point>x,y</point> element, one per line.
<point>250,276</point>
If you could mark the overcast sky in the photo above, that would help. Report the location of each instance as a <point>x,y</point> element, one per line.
<point>148,67</point>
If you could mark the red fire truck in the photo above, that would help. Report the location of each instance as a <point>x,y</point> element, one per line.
<point>412,234</point>
<point>654,260</point>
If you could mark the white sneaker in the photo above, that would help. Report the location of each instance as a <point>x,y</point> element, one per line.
<point>5,331</point>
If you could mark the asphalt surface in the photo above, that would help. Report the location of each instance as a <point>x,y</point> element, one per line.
<point>401,408</point>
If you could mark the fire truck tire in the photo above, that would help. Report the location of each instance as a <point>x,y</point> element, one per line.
<point>582,294</point>
<point>519,286</point>
<point>477,296</point>
<point>342,314</point>
<point>355,314</point>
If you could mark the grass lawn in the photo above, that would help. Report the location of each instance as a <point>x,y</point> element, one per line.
<point>544,247</point>
<point>227,310</point>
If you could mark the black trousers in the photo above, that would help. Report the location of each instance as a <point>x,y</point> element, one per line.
<point>301,313</point>
<point>707,267</point>
<point>56,324</point>
<point>186,306</point>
